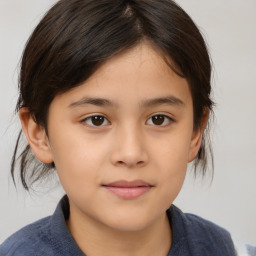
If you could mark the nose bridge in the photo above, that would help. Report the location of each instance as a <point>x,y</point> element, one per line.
<point>130,145</point>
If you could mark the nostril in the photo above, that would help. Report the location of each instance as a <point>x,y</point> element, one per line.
<point>129,157</point>
<point>139,163</point>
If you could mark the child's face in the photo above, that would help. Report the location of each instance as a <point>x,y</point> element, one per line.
<point>143,130</point>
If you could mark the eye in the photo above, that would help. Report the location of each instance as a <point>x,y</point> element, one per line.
<point>159,120</point>
<point>95,121</point>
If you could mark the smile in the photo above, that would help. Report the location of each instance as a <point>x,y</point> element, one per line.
<point>128,189</point>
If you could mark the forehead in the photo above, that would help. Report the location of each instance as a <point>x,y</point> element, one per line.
<point>139,74</point>
<point>143,57</point>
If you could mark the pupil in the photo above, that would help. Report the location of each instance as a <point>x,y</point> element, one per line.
<point>158,120</point>
<point>97,120</point>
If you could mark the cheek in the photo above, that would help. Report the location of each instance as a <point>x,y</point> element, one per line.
<point>173,150</point>
<point>174,166</point>
<point>172,160</point>
<point>78,160</point>
<point>171,181</point>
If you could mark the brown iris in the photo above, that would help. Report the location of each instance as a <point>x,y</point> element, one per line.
<point>158,119</point>
<point>97,120</point>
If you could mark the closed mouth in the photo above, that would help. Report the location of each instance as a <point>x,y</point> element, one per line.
<point>128,189</point>
<point>128,184</point>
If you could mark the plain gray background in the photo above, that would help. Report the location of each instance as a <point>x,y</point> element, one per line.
<point>230,30</point>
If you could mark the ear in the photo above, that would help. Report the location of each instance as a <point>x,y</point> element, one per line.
<point>197,136</point>
<point>36,136</point>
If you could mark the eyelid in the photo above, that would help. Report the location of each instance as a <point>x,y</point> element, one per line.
<point>166,116</point>
<point>94,115</point>
<point>171,120</point>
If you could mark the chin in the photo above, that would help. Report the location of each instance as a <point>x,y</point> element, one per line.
<point>129,223</point>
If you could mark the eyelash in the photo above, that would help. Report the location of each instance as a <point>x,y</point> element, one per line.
<point>161,117</point>
<point>165,119</point>
<point>94,116</point>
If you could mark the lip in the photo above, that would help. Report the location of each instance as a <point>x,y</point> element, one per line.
<point>128,189</point>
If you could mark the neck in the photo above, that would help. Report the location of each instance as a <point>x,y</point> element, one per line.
<point>97,239</point>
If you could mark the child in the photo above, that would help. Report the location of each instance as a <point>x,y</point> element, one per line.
<point>115,97</point>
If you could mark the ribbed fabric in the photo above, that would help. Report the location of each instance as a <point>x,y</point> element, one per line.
<point>192,236</point>
<point>195,236</point>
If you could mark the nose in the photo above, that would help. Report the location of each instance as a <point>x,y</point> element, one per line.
<point>129,148</point>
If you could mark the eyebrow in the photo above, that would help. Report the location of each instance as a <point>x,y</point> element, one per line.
<point>169,100</point>
<point>101,102</point>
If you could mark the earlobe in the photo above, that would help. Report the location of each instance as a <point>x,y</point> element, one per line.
<point>36,136</point>
<point>197,136</point>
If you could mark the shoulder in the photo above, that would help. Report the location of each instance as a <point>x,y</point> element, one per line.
<point>203,236</point>
<point>48,236</point>
<point>30,240</point>
<point>199,225</point>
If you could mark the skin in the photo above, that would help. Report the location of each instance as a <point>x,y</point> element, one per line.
<point>128,145</point>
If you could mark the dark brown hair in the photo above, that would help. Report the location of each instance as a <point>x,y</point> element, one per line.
<point>75,37</point>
